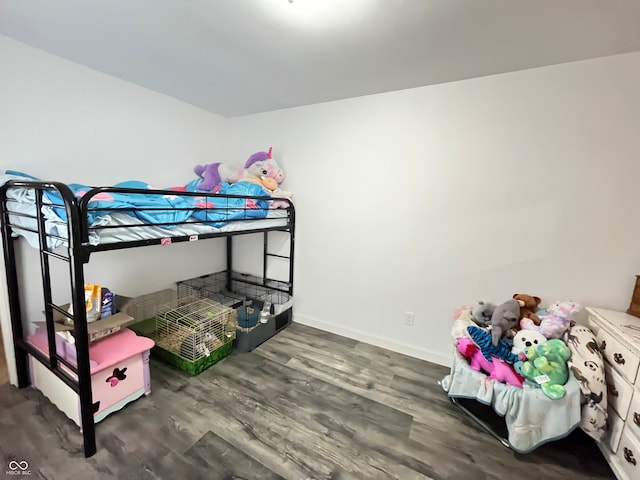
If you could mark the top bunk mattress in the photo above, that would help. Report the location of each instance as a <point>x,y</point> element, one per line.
<point>133,211</point>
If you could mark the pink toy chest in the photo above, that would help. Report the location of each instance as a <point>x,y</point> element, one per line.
<point>119,374</point>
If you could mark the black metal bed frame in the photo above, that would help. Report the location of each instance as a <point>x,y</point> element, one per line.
<point>78,251</point>
<point>480,422</point>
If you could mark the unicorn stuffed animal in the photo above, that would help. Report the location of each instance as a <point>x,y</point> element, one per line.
<point>259,168</point>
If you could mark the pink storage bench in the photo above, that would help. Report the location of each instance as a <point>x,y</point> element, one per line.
<point>119,373</point>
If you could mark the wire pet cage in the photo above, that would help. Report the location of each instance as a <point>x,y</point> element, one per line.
<point>213,287</point>
<point>189,332</point>
<point>252,297</point>
<point>242,287</point>
<point>146,306</point>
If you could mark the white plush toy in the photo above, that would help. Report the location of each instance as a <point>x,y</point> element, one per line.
<point>461,320</point>
<point>525,339</point>
<point>278,195</point>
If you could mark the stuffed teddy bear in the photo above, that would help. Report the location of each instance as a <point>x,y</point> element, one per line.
<point>258,167</point>
<point>504,318</point>
<point>525,339</point>
<point>481,313</point>
<point>528,306</point>
<point>497,369</point>
<point>546,367</point>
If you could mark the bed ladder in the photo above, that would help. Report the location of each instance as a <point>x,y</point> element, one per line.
<point>53,361</point>
<point>289,258</point>
<point>265,257</point>
<point>82,369</point>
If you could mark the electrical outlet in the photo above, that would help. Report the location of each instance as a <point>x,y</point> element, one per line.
<point>409,317</point>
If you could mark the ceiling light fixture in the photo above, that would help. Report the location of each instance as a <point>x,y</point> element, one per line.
<point>319,14</point>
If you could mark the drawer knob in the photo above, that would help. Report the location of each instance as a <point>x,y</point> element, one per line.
<point>612,390</point>
<point>618,358</point>
<point>636,418</point>
<point>628,456</point>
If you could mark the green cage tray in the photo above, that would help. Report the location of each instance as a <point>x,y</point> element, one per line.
<point>194,367</point>
<point>191,335</point>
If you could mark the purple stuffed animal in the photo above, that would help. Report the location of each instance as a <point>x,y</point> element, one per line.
<point>556,322</point>
<point>259,165</point>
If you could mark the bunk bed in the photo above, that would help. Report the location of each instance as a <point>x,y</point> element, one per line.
<point>66,223</point>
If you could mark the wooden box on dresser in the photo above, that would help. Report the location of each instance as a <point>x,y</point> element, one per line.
<point>618,337</point>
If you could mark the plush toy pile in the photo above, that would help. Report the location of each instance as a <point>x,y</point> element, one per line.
<point>260,168</point>
<point>521,344</point>
<point>517,342</point>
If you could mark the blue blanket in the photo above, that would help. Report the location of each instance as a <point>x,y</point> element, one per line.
<point>169,209</point>
<point>532,418</point>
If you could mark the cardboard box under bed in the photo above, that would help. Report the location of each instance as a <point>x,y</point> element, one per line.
<point>97,329</point>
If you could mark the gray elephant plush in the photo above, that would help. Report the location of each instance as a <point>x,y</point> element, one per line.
<point>482,312</point>
<point>504,318</point>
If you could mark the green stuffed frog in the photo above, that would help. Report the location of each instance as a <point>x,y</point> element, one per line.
<point>546,367</point>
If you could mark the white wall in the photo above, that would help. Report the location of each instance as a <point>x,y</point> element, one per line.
<point>425,199</point>
<point>61,121</point>
<point>418,200</point>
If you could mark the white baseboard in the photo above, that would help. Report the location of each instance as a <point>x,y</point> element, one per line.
<point>399,347</point>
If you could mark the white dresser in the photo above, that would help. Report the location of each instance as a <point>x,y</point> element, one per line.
<point>618,337</point>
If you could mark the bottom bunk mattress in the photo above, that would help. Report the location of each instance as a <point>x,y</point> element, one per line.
<point>123,228</point>
<point>531,417</point>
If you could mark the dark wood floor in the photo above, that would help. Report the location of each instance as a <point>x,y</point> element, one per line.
<point>304,405</point>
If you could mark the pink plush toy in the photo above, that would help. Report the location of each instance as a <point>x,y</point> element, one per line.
<point>260,168</point>
<point>497,369</point>
<point>556,322</point>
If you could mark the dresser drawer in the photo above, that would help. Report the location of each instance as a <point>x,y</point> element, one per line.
<point>616,425</point>
<point>619,356</point>
<point>619,391</point>
<point>633,417</point>
<point>628,454</point>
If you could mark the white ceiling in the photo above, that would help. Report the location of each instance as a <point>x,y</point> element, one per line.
<point>236,57</point>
